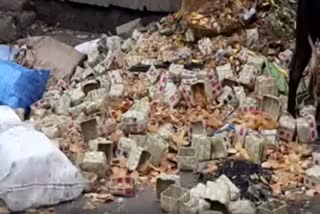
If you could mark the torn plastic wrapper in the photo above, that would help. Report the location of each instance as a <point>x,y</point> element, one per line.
<point>107,127</point>
<point>123,186</point>
<point>228,97</point>
<point>135,157</point>
<point>124,147</point>
<point>307,129</point>
<point>136,119</point>
<point>187,94</point>
<point>240,134</point>
<point>116,77</point>
<point>248,75</point>
<point>153,74</point>
<point>172,95</point>
<point>249,105</point>
<point>287,127</point>
<point>280,78</point>
<point>175,72</point>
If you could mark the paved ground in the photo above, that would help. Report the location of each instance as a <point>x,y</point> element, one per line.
<point>145,202</point>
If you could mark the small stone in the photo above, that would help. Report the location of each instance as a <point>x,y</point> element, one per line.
<point>95,162</point>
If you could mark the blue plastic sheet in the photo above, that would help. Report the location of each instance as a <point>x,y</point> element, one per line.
<point>20,87</point>
<point>7,52</point>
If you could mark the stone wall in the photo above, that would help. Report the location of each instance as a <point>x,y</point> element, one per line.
<point>149,5</point>
<point>15,16</point>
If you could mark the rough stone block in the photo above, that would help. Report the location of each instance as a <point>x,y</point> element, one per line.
<point>126,29</point>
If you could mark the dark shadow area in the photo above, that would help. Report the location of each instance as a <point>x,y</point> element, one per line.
<point>89,18</point>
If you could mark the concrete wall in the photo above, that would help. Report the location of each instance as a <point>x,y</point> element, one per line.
<point>149,5</point>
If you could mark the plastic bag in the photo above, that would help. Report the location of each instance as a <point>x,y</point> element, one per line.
<point>88,47</point>
<point>278,75</point>
<point>19,86</point>
<point>33,172</point>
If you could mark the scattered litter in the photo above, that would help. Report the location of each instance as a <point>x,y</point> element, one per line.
<point>173,98</point>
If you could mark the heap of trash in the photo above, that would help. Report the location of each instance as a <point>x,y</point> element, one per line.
<point>136,111</point>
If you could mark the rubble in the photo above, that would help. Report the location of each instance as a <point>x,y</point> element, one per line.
<point>163,101</point>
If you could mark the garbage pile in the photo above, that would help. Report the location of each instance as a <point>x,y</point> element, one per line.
<point>141,110</point>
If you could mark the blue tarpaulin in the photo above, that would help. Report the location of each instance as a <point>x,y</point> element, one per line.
<point>20,87</point>
<point>7,52</point>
